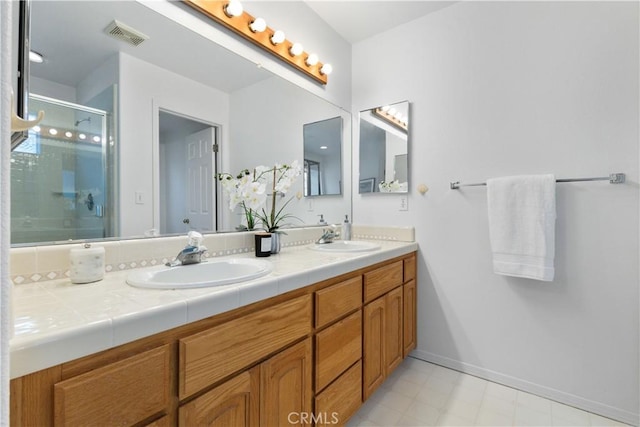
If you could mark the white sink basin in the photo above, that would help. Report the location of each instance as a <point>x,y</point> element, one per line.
<point>346,246</point>
<point>208,273</point>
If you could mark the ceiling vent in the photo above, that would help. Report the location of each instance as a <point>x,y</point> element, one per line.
<point>125,33</point>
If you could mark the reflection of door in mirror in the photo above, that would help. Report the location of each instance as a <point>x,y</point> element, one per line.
<point>384,146</point>
<point>187,167</point>
<point>323,157</point>
<point>311,178</point>
<point>60,179</point>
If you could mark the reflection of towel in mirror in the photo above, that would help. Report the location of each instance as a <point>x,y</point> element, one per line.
<point>522,214</point>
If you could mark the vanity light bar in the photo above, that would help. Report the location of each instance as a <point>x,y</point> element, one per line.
<point>242,24</point>
<point>68,135</point>
<point>380,112</point>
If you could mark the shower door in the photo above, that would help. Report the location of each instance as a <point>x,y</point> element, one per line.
<point>59,182</point>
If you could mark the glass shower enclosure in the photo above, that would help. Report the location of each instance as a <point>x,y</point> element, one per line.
<point>61,176</point>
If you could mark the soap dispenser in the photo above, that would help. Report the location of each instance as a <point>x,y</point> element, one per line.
<point>346,228</point>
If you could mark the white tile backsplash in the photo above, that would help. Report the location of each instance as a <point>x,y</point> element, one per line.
<point>44,263</point>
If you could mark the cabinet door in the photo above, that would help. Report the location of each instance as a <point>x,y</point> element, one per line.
<point>394,331</point>
<point>373,352</point>
<point>285,387</point>
<point>232,404</point>
<point>409,317</point>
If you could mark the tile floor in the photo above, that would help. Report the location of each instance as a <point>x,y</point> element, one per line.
<point>419,393</point>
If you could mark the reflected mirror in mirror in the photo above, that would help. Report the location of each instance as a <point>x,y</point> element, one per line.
<point>384,147</point>
<point>323,157</point>
<point>256,117</point>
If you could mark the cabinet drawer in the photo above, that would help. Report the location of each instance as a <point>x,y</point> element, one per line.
<point>410,268</point>
<point>337,300</point>
<point>382,280</point>
<point>338,347</point>
<point>341,399</point>
<point>122,393</point>
<point>211,355</point>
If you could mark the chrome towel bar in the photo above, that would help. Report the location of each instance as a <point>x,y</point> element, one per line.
<point>614,178</point>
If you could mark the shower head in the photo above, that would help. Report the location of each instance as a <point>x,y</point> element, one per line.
<point>86,119</point>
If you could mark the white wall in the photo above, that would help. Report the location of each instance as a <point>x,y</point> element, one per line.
<point>300,23</point>
<point>52,89</point>
<point>274,108</point>
<point>503,88</point>
<point>145,88</point>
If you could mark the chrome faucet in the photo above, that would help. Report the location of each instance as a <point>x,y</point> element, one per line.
<point>328,235</point>
<point>192,253</point>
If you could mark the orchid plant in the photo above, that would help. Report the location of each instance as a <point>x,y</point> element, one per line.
<point>249,190</point>
<point>281,178</point>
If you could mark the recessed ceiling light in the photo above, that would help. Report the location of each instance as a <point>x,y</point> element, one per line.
<point>323,147</point>
<point>68,134</point>
<point>53,131</point>
<point>82,136</point>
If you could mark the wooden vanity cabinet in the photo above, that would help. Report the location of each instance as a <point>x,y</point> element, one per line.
<point>120,394</point>
<point>389,331</point>
<point>235,403</point>
<point>308,357</point>
<point>264,395</point>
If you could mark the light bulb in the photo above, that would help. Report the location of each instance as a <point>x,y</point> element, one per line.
<point>312,60</point>
<point>36,57</point>
<point>68,134</point>
<point>53,131</point>
<point>277,37</point>
<point>258,25</point>
<point>326,69</point>
<point>233,8</point>
<point>82,136</point>
<point>296,49</point>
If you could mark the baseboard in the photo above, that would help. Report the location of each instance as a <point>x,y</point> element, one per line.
<point>539,390</point>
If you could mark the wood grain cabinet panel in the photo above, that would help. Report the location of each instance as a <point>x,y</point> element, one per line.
<point>337,300</point>
<point>338,347</point>
<point>338,402</point>
<point>409,315</point>
<point>160,422</point>
<point>235,403</point>
<point>285,387</point>
<point>216,353</point>
<point>120,394</point>
<point>373,351</point>
<point>393,330</point>
<point>381,280</point>
<point>410,268</point>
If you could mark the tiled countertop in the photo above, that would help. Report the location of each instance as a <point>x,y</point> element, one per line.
<point>57,321</point>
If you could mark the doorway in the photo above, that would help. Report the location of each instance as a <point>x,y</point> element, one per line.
<point>187,155</point>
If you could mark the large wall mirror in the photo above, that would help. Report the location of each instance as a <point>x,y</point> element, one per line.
<point>384,149</point>
<point>111,159</point>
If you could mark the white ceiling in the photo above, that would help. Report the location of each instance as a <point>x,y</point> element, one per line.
<point>356,20</point>
<point>70,35</point>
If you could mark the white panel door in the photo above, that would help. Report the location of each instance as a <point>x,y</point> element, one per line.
<point>200,175</point>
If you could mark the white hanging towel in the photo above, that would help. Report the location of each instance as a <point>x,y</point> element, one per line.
<point>522,217</point>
